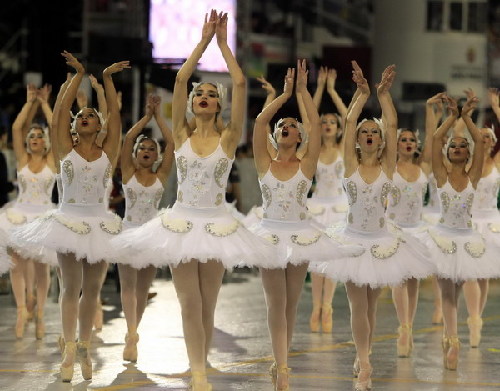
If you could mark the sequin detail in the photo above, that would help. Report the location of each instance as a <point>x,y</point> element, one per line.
<point>220,170</point>
<point>79,227</point>
<point>381,222</point>
<point>447,246</point>
<point>380,252</point>
<point>222,230</point>
<point>396,195</point>
<point>352,192</point>
<point>157,198</point>
<point>303,240</point>
<point>445,201</point>
<point>107,175</point>
<point>22,183</point>
<point>301,192</point>
<point>113,227</point>
<point>267,195</point>
<point>132,196</point>
<point>475,250</point>
<point>182,164</point>
<point>67,167</point>
<point>180,196</point>
<point>219,198</point>
<point>468,202</point>
<point>176,225</point>
<point>386,189</point>
<point>273,238</point>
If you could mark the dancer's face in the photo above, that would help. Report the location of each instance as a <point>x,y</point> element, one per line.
<point>288,132</point>
<point>369,136</point>
<point>487,139</point>
<point>206,99</point>
<point>146,153</point>
<point>87,121</point>
<point>407,143</point>
<point>458,150</point>
<point>36,140</point>
<point>329,125</point>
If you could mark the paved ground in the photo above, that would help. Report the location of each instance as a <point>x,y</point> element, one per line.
<point>241,352</point>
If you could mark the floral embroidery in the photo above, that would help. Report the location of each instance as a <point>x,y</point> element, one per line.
<point>301,192</point>
<point>176,225</point>
<point>303,240</point>
<point>380,252</point>
<point>494,227</point>
<point>218,199</point>
<point>475,250</point>
<point>107,175</point>
<point>273,238</point>
<point>112,227</point>
<point>15,217</point>
<point>67,167</point>
<point>447,246</point>
<point>352,192</point>
<point>79,227</point>
<point>132,196</point>
<point>182,168</point>
<point>445,200</point>
<point>220,170</point>
<point>386,189</point>
<point>396,195</point>
<point>222,230</point>
<point>266,195</point>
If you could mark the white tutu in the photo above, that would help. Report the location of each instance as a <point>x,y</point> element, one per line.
<point>18,217</point>
<point>231,208</point>
<point>327,211</point>
<point>254,216</point>
<point>5,262</point>
<point>487,223</point>
<point>462,254</point>
<point>297,242</point>
<point>182,233</point>
<point>83,229</point>
<point>388,258</point>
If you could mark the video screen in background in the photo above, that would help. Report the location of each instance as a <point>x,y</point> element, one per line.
<point>175,29</point>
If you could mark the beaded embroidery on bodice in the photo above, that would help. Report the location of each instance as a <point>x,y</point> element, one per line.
<point>367,202</point>
<point>406,200</point>
<point>35,188</point>
<point>85,182</point>
<point>329,179</point>
<point>285,200</point>
<point>142,202</point>
<point>456,207</point>
<point>201,181</point>
<point>486,194</point>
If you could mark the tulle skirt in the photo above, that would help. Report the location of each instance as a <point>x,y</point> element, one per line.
<point>254,216</point>
<point>5,262</point>
<point>388,258</point>
<point>487,223</point>
<point>462,254</point>
<point>327,211</point>
<point>297,242</point>
<point>182,233</point>
<point>17,217</point>
<point>85,230</point>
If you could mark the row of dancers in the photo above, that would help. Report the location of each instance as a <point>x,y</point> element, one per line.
<point>380,240</point>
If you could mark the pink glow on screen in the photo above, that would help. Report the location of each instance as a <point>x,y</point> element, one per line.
<point>175,29</point>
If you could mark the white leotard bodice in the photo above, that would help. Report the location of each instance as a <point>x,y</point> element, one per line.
<point>85,182</point>
<point>486,194</point>
<point>367,202</point>
<point>142,202</point>
<point>406,200</point>
<point>35,188</point>
<point>201,181</point>
<point>285,200</point>
<point>329,179</point>
<point>456,207</point>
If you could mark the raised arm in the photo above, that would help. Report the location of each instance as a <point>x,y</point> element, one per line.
<point>431,123</point>
<point>270,90</point>
<point>337,100</point>
<point>260,133</point>
<point>101,96</point>
<point>494,101</point>
<point>390,120</point>
<point>460,125</point>
<point>320,86</point>
<point>476,168</point>
<point>114,122</point>
<point>239,84</point>
<point>126,159</point>
<point>438,167</point>
<point>179,99</point>
<point>18,134</point>
<point>43,95</point>
<point>61,131</point>
<point>168,154</point>
<point>355,108</point>
<point>310,159</point>
<point>55,118</point>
